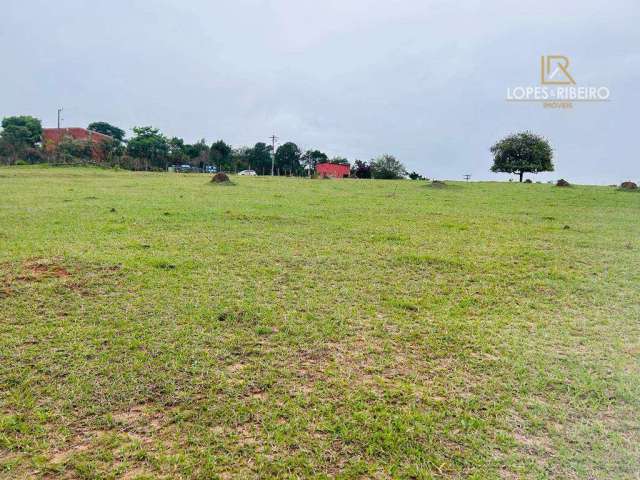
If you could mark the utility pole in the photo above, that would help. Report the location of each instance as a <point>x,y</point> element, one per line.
<point>273,152</point>
<point>59,112</point>
<point>467,177</point>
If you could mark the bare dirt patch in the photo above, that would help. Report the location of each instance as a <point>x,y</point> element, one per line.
<point>141,422</point>
<point>136,473</point>
<point>40,268</point>
<point>77,276</point>
<point>62,456</point>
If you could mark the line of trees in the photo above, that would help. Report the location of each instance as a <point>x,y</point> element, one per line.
<point>149,149</point>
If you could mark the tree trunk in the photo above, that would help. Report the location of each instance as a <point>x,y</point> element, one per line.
<point>521,173</point>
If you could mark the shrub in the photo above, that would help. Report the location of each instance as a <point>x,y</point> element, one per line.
<point>387,167</point>
<point>70,151</point>
<point>360,169</point>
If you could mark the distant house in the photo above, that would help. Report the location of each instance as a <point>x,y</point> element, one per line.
<point>51,137</point>
<point>333,170</point>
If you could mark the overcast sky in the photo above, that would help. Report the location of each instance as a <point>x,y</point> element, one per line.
<point>424,80</point>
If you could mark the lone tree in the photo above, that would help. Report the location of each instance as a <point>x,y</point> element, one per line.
<point>522,152</point>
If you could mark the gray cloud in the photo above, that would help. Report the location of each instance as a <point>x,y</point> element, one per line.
<point>424,80</point>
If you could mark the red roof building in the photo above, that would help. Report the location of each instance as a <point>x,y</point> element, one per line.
<point>51,137</point>
<point>333,170</point>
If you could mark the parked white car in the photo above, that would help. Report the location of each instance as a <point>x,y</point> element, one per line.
<point>251,173</point>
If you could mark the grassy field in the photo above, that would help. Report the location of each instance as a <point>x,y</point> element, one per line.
<point>159,326</point>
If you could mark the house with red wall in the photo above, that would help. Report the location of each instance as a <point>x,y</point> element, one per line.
<point>51,137</point>
<point>333,170</point>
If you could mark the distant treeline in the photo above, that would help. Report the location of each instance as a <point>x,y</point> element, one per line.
<point>21,142</point>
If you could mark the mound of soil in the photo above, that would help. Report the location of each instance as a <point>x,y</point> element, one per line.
<point>220,178</point>
<point>438,184</point>
<point>562,183</point>
<point>629,186</point>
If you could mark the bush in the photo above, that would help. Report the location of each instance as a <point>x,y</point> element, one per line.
<point>72,151</point>
<point>361,169</point>
<point>387,167</point>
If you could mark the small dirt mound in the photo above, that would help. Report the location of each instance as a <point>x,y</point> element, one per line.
<point>438,184</point>
<point>628,186</point>
<point>562,183</point>
<point>220,178</point>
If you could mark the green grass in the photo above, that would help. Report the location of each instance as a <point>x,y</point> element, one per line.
<point>159,326</point>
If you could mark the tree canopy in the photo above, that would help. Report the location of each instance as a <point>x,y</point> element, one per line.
<point>148,143</point>
<point>220,156</point>
<point>361,169</point>
<point>177,151</point>
<point>287,158</point>
<point>387,167</point>
<point>339,161</point>
<point>522,152</point>
<point>107,129</point>
<point>19,138</point>
<point>259,157</point>
<point>24,130</point>
<point>198,152</point>
<point>311,158</point>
